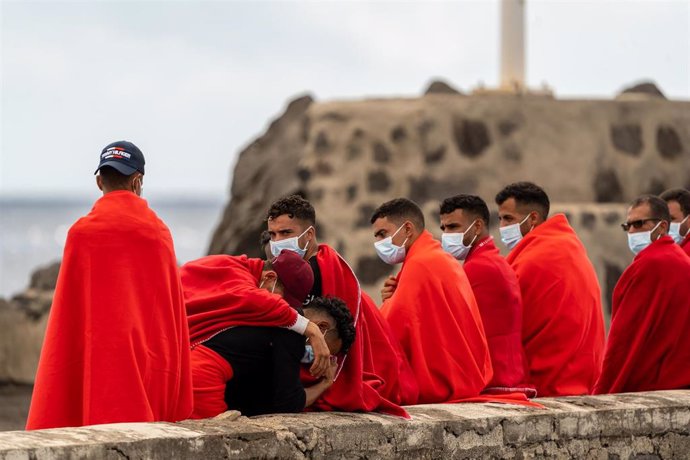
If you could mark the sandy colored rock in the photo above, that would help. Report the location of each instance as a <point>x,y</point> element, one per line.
<point>348,157</point>
<point>20,341</point>
<point>440,87</point>
<point>646,88</point>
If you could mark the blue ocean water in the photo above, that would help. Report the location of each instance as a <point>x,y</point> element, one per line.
<point>33,231</point>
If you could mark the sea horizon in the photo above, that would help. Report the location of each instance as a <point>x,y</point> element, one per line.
<point>33,228</point>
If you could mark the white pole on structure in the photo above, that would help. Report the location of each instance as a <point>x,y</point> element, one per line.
<point>513,44</point>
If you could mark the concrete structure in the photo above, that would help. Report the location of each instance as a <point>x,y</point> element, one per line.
<point>513,45</point>
<point>638,425</point>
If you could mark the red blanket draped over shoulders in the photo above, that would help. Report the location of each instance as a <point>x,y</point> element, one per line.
<point>648,346</point>
<point>374,369</point>
<point>434,315</point>
<point>116,347</point>
<point>563,325</point>
<point>496,288</point>
<point>222,291</point>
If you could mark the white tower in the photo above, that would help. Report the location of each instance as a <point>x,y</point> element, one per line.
<point>513,45</point>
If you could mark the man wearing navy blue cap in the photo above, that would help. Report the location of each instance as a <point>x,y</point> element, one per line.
<point>121,167</point>
<point>116,347</point>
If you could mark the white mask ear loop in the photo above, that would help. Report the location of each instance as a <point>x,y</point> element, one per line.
<point>304,233</point>
<point>525,220</point>
<point>274,285</point>
<point>475,235</point>
<point>655,227</point>
<point>396,232</point>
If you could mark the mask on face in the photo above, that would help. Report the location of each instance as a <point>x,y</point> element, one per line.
<point>453,245</point>
<point>511,234</point>
<point>674,231</point>
<point>640,240</point>
<point>388,252</point>
<point>291,244</point>
<point>308,357</point>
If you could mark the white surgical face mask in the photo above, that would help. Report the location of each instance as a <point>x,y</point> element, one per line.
<point>453,245</point>
<point>511,234</point>
<point>674,230</point>
<point>308,357</point>
<point>388,252</point>
<point>291,244</point>
<point>640,240</point>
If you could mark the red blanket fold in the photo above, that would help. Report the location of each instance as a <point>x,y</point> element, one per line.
<point>434,314</point>
<point>223,291</point>
<point>359,386</point>
<point>563,324</point>
<point>116,347</point>
<point>648,347</point>
<point>496,288</point>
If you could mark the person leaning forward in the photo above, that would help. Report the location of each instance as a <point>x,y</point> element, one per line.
<point>116,347</point>
<point>245,325</point>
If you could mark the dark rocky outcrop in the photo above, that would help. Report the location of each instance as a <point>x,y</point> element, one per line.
<point>668,142</point>
<point>266,170</point>
<point>440,87</point>
<point>607,187</point>
<point>646,88</point>
<point>627,138</point>
<point>371,268</point>
<point>471,136</point>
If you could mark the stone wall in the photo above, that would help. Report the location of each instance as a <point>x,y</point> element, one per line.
<point>649,426</point>
<point>347,157</point>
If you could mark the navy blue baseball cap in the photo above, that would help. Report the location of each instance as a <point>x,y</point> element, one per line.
<point>123,156</point>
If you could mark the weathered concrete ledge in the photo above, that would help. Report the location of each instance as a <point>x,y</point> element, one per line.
<point>642,425</point>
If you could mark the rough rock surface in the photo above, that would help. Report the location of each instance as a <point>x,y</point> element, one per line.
<point>23,321</point>
<point>267,168</point>
<point>652,425</point>
<point>440,87</point>
<point>347,157</point>
<point>647,88</point>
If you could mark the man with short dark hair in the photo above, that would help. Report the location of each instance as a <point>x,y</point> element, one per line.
<point>116,347</point>
<point>465,226</point>
<point>647,347</point>
<point>678,201</point>
<point>432,310</point>
<point>374,375</point>
<point>563,324</point>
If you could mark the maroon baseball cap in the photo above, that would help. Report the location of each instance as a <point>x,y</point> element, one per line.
<point>296,276</point>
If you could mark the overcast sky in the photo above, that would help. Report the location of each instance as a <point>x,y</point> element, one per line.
<point>191,83</point>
